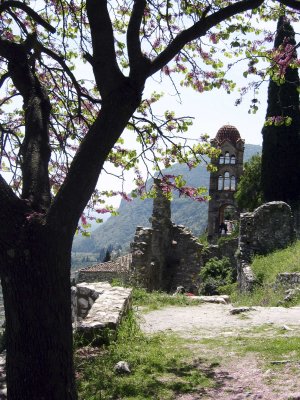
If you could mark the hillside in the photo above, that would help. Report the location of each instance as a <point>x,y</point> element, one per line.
<point>119,231</point>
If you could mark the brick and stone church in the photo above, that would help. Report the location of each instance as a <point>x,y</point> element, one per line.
<point>222,208</point>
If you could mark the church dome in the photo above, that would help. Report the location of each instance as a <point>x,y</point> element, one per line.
<point>228,132</point>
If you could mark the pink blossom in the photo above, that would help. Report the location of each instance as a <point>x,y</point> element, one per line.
<point>102,210</point>
<point>83,219</point>
<point>213,38</point>
<point>166,70</point>
<point>125,196</point>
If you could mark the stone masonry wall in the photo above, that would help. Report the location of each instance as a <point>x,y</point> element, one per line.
<point>167,255</point>
<point>268,228</point>
<point>288,279</point>
<point>143,267</point>
<point>184,259</point>
<point>102,276</point>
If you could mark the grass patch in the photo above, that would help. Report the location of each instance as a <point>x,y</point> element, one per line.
<point>268,348</point>
<point>263,295</point>
<point>156,300</point>
<point>161,367</point>
<point>266,268</point>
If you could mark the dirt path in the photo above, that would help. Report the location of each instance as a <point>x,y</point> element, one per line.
<point>211,319</point>
<point>237,377</point>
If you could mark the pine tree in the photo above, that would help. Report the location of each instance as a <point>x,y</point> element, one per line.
<point>107,256</point>
<point>281,143</point>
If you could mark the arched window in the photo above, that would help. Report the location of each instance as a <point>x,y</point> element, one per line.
<point>226,181</point>
<point>221,159</point>
<point>232,159</point>
<point>232,183</point>
<point>220,182</point>
<point>227,158</point>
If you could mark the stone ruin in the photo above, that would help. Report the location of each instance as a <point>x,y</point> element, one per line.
<point>163,256</point>
<point>270,227</point>
<point>166,255</point>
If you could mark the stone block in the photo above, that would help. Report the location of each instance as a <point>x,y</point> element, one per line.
<point>106,312</point>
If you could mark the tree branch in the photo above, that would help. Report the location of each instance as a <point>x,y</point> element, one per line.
<point>137,61</point>
<point>9,203</point>
<point>35,149</point>
<point>63,64</point>
<point>6,193</point>
<point>3,78</point>
<point>6,5</point>
<point>107,72</point>
<point>88,162</point>
<point>199,29</point>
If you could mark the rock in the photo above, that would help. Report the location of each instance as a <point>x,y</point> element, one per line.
<point>83,290</point>
<point>83,303</point>
<point>287,328</point>
<point>91,302</point>
<point>240,310</point>
<point>179,290</point>
<point>291,293</point>
<point>224,299</point>
<point>213,299</point>
<point>122,367</point>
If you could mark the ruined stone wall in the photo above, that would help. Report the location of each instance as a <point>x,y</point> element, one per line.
<point>150,246</point>
<point>296,216</point>
<point>143,269</point>
<point>103,276</point>
<point>268,228</point>
<point>288,279</point>
<point>174,260</point>
<point>184,260</point>
<point>228,248</point>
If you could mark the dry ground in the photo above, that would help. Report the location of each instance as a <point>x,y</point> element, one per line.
<point>239,376</point>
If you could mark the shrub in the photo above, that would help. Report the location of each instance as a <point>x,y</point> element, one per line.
<point>215,274</point>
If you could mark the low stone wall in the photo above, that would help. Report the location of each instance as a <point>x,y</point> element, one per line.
<point>288,279</point>
<point>98,307</point>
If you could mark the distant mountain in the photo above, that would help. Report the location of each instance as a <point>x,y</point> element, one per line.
<point>118,232</point>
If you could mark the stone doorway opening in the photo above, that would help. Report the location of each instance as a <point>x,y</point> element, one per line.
<point>228,219</point>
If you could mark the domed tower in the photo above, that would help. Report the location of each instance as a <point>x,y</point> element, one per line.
<point>222,208</point>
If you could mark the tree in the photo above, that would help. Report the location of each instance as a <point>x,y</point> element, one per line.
<point>281,133</point>
<point>249,190</point>
<point>107,256</point>
<point>56,144</point>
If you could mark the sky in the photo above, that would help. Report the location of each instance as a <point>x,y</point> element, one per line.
<point>210,110</point>
<point>214,109</point>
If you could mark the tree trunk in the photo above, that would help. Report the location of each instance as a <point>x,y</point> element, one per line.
<point>35,260</point>
<point>36,291</point>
